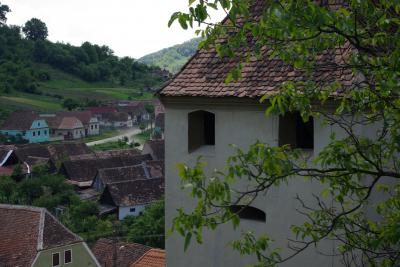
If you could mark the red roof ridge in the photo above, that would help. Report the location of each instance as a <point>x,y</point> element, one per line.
<point>43,212</point>
<point>151,251</point>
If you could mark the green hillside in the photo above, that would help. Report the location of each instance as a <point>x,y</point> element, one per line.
<point>172,58</point>
<point>41,75</point>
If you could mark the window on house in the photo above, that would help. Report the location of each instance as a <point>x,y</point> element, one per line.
<point>67,256</point>
<point>56,259</point>
<point>140,213</point>
<point>45,132</point>
<point>201,129</point>
<point>248,213</point>
<point>34,133</point>
<point>95,126</point>
<point>38,133</point>
<point>38,124</point>
<point>91,127</point>
<point>295,132</point>
<point>132,209</point>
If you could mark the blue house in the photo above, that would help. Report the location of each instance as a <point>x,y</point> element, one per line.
<point>28,125</point>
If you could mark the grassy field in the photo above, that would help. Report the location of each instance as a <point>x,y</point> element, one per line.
<point>62,86</point>
<point>142,137</point>
<point>112,146</point>
<point>103,135</point>
<point>39,104</point>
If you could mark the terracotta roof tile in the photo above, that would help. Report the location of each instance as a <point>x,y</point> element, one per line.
<point>116,116</point>
<point>84,170</point>
<point>205,73</point>
<point>83,116</point>
<point>26,230</point>
<point>110,253</point>
<point>153,258</point>
<point>134,192</point>
<point>20,120</point>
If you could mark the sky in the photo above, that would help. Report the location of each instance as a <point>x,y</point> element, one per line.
<point>129,27</point>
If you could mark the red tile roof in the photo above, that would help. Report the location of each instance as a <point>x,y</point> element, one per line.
<point>101,110</point>
<point>204,75</point>
<point>70,123</point>
<point>83,116</point>
<point>20,120</point>
<point>26,230</point>
<point>133,192</point>
<point>153,258</point>
<point>110,253</point>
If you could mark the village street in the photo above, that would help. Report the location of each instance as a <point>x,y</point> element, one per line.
<point>124,133</point>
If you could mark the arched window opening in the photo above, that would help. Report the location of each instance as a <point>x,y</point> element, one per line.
<point>249,213</point>
<point>201,129</point>
<point>295,132</point>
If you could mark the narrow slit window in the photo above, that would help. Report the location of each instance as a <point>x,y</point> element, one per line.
<point>201,129</point>
<point>295,132</point>
<point>56,259</point>
<point>67,256</point>
<point>249,213</point>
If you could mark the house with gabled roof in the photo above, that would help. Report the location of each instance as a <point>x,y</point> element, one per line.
<point>112,253</point>
<point>116,120</point>
<point>81,172</point>
<point>156,148</point>
<point>27,125</point>
<point>144,170</point>
<point>32,155</point>
<point>119,174</point>
<point>131,197</point>
<point>65,128</point>
<point>33,237</point>
<point>90,122</point>
<point>205,116</point>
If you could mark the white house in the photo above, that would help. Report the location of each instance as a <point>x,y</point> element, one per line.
<point>204,116</point>
<point>131,197</point>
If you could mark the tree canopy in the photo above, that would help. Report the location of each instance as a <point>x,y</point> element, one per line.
<point>22,60</point>
<point>35,30</point>
<point>351,168</point>
<point>4,9</point>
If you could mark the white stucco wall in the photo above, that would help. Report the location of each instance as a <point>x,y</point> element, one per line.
<point>241,125</point>
<point>94,128</point>
<point>126,211</point>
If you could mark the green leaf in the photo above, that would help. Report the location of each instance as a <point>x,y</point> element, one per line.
<point>188,237</point>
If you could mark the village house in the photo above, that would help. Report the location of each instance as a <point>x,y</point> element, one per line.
<point>31,236</point>
<point>145,170</point>
<point>90,122</point>
<point>29,156</point>
<point>111,253</point>
<point>156,148</point>
<point>130,198</point>
<point>65,128</point>
<point>137,110</point>
<point>205,115</point>
<point>26,125</point>
<point>112,175</point>
<point>81,172</point>
<point>152,258</point>
<point>99,111</point>
<point>116,120</point>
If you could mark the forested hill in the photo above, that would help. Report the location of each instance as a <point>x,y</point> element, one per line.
<point>22,57</point>
<point>172,58</point>
<point>38,74</point>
